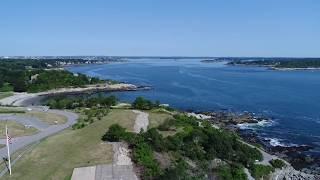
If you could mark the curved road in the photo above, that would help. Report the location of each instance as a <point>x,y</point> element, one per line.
<point>20,142</point>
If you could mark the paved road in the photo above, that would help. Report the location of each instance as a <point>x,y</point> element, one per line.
<point>249,177</point>
<point>20,142</point>
<point>266,156</point>
<point>25,120</point>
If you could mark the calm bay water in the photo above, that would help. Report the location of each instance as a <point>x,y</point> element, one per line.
<point>290,98</point>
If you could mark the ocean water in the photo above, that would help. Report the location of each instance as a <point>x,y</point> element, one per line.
<point>290,98</point>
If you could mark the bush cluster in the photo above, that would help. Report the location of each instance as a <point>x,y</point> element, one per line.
<point>144,104</point>
<point>198,143</point>
<point>72,103</point>
<point>142,150</point>
<point>232,172</point>
<point>277,163</point>
<point>92,114</point>
<point>259,171</point>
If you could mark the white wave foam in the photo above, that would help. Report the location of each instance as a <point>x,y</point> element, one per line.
<point>278,142</point>
<point>263,123</point>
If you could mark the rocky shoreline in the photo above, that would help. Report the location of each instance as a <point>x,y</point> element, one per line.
<point>240,123</point>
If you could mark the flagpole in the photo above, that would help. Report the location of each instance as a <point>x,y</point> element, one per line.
<point>8,148</point>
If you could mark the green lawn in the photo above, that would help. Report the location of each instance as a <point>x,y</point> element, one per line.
<point>16,129</point>
<point>11,110</point>
<point>157,118</point>
<point>49,118</point>
<point>5,94</point>
<point>56,156</point>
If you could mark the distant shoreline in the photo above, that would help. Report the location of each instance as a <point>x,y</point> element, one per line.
<point>280,64</point>
<point>294,69</point>
<point>19,99</point>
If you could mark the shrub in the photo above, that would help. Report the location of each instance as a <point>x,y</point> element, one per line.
<point>6,87</point>
<point>277,163</point>
<point>144,104</point>
<point>155,139</point>
<point>178,171</point>
<point>72,103</point>
<point>233,172</point>
<point>183,120</point>
<point>143,155</point>
<point>258,171</point>
<point>114,134</point>
<point>78,125</point>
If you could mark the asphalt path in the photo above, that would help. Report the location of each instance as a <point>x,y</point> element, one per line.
<point>20,142</point>
<point>25,120</point>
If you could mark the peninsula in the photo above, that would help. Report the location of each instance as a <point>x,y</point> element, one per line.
<point>279,63</point>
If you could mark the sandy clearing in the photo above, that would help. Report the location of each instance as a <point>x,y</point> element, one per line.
<point>142,121</point>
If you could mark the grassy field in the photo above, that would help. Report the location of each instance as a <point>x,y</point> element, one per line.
<point>49,118</point>
<point>56,156</point>
<point>5,94</point>
<point>157,118</point>
<point>12,110</point>
<point>16,129</point>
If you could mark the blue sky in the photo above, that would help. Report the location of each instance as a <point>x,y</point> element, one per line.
<point>160,27</point>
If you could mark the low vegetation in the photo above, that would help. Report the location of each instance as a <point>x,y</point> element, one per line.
<point>63,102</point>
<point>260,171</point>
<point>198,144</point>
<point>277,163</point>
<point>188,150</point>
<point>89,116</point>
<point>231,172</point>
<point>144,104</point>
<point>61,153</point>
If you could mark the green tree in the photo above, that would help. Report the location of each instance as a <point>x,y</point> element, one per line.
<point>115,133</point>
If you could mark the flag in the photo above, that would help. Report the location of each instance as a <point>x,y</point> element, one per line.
<point>9,138</point>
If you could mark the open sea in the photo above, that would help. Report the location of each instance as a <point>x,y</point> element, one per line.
<point>290,98</point>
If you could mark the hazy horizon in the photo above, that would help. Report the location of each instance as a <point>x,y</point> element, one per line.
<point>160,28</point>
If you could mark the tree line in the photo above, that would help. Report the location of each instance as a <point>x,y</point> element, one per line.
<point>30,76</point>
<point>282,63</point>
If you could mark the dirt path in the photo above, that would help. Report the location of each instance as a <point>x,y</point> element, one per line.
<point>121,154</point>
<point>142,121</point>
<point>248,174</point>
